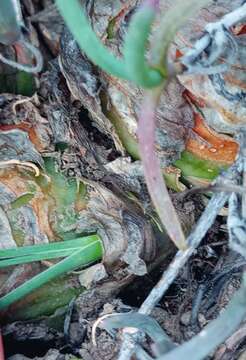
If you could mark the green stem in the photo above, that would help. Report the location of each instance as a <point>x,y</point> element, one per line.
<point>135,48</point>
<point>171,22</point>
<point>82,31</point>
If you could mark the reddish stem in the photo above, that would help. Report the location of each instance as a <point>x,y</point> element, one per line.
<point>153,175</point>
<point>1,348</point>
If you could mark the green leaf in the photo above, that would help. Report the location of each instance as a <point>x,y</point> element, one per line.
<point>190,165</point>
<point>22,200</point>
<point>86,255</point>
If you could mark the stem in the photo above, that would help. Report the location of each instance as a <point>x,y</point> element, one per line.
<point>192,56</point>
<point>1,348</point>
<point>243,152</point>
<point>153,175</point>
<point>206,220</point>
<point>244,187</point>
<point>230,19</point>
<point>82,31</point>
<point>138,321</point>
<point>135,47</point>
<point>204,223</point>
<point>175,18</point>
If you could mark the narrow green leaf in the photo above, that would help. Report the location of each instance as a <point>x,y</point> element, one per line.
<point>37,257</point>
<point>81,258</point>
<point>44,248</point>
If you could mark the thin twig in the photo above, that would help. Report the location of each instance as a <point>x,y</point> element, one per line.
<point>206,220</point>
<point>215,332</point>
<point>243,151</point>
<point>244,187</point>
<point>230,19</point>
<point>217,33</point>
<point>27,68</point>
<point>136,320</point>
<point>204,223</point>
<point>236,226</point>
<point>180,259</point>
<point>196,304</point>
<point>212,188</point>
<point>237,209</point>
<point>142,355</point>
